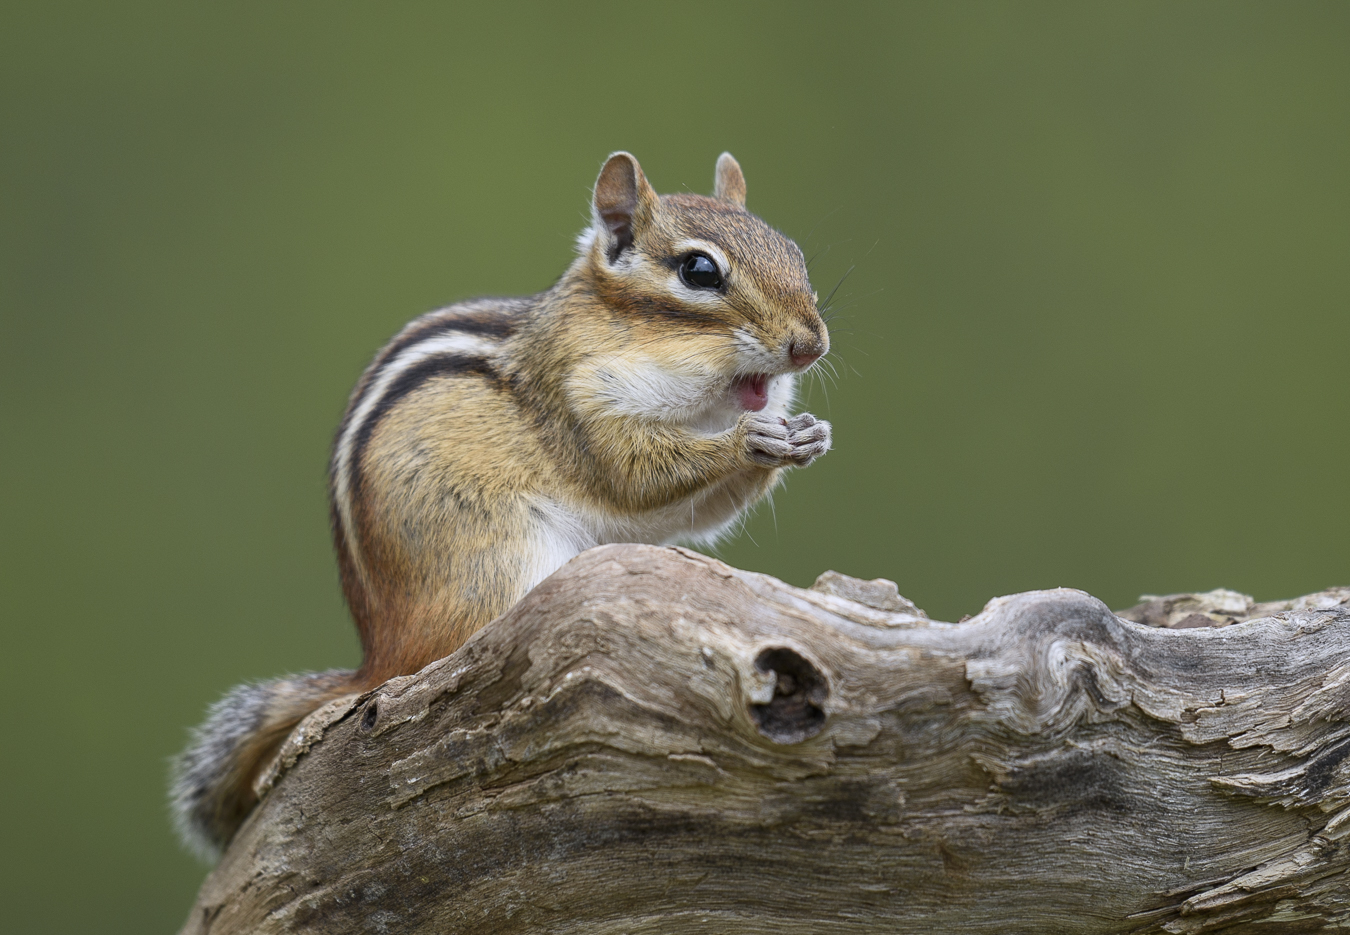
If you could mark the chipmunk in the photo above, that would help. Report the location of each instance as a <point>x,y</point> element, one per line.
<point>643,398</point>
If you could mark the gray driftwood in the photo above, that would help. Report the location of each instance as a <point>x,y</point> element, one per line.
<point>653,741</point>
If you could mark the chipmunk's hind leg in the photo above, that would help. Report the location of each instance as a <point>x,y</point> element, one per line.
<point>211,790</point>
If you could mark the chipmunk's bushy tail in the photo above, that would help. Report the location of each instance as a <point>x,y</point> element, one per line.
<point>211,790</point>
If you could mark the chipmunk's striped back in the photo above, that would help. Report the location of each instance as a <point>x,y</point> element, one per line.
<point>462,339</point>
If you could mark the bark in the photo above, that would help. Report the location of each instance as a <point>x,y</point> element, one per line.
<point>653,741</point>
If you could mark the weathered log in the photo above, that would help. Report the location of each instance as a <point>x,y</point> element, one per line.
<point>653,741</point>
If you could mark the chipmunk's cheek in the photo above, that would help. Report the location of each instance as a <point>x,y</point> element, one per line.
<point>751,393</point>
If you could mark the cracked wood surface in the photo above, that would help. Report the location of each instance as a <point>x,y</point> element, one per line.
<point>653,741</point>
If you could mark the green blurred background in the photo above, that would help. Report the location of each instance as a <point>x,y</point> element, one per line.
<point>1096,334</point>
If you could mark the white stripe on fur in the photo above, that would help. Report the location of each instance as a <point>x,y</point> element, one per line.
<point>436,345</point>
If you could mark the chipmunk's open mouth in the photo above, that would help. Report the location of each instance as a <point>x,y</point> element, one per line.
<point>751,391</point>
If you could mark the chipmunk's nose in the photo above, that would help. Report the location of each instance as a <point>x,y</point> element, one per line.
<point>805,353</point>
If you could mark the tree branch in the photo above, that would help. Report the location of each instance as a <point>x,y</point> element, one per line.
<point>653,741</point>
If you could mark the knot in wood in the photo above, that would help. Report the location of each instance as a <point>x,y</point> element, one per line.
<point>795,711</point>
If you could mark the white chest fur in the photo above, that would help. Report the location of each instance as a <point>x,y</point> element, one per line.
<point>671,393</point>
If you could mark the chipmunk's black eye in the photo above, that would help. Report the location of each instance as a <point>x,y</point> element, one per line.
<point>700,272</point>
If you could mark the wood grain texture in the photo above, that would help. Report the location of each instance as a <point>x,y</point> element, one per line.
<point>653,741</point>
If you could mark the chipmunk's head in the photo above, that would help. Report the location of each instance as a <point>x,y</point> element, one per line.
<point>706,287</point>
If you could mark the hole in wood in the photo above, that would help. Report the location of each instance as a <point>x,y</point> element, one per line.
<point>794,713</point>
<point>371,714</point>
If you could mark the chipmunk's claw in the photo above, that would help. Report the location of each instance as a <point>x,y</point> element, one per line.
<point>793,442</point>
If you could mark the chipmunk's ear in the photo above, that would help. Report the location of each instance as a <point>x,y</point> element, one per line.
<point>729,185</point>
<point>624,202</point>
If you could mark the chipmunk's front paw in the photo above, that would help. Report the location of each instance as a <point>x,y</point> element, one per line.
<point>794,442</point>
